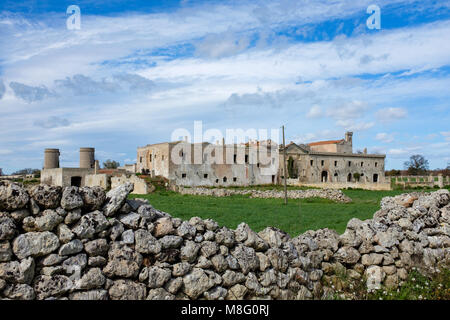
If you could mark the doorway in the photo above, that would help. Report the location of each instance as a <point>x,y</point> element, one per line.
<point>75,181</point>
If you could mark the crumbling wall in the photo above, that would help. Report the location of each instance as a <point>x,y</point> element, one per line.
<point>80,243</point>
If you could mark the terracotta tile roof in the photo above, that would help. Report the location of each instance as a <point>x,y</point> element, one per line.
<point>318,143</point>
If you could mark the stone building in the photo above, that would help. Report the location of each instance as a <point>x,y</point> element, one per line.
<point>206,164</point>
<point>52,174</point>
<point>333,162</point>
<point>326,163</point>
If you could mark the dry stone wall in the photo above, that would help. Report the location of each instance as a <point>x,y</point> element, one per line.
<point>80,243</point>
<point>335,195</point>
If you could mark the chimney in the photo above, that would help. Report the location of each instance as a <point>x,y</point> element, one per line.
<point>348,136</point>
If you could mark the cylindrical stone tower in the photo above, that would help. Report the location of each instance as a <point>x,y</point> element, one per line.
<point>87,157</point>
<point>51,158</point>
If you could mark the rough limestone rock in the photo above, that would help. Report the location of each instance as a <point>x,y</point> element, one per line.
<point>12,196</point>
<point>73,247</point>
<point>127,290</point>
<point>91,224</point>
<point>146,243</point>
<point>46,196</point>
<point>93,197</point>
<point>116,197</point>
<point>18,272</point>
<point>375,276</point>
<point>35,244</point>
<point>246,257</point>
<point>71,199</point>
<point>52,286</point>
<point>196,283</point>
<point>7,227</point>
<point>5,251</point>
<point>123,262</point>
<point>163,227</point>
<point>89,295</point>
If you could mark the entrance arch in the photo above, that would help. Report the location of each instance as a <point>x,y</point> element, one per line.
<point>349,177</point>
<point>375,177</point>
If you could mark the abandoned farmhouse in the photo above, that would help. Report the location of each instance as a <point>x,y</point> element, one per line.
<point>260,162</point>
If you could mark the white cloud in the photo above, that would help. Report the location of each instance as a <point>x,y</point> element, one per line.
<point>391,114</point>
<point>384,137</point>
<point>315,112</point>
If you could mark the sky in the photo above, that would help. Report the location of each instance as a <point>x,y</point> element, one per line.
<point>135,71</point>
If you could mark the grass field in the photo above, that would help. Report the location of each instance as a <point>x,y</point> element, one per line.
<point>295,218</point>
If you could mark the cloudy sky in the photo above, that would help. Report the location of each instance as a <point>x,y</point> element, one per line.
<point>138,70</point>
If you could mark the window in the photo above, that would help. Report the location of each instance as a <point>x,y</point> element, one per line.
<point>246,158</point>
<point>311,162</point>
<point>150,158</point>
<point>162,158</point>
<point>140,159</point>
<point>234,179</point>
<point>183,175</point>
<point>322,162</point>
<point>376,164</point>
<point>257,164</point>
<point>224,179</point>
<point>335,163</point>
<point>349,163</point>
<point>235,158</point>
<point>217,180</point>
<point>205,176</point>
<point>362,164</point>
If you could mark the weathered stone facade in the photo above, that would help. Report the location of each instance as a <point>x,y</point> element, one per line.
<point>208,164</point>
<point>327,162</point>
<point>331,162</point>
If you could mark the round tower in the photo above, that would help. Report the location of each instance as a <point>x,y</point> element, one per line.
<point>87,157</point>
<point>51,158</point>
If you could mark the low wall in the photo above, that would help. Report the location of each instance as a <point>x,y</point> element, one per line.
<point>140,186</point>
<point>335,195</point>
<point>421,181</point>
<point>101,180</point>
<point>347,185</point>
<point>83,244</point>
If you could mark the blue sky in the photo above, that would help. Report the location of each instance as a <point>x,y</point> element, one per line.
<point>138,70</point>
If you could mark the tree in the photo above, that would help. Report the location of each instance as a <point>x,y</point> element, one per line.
<point>111,164</point>
<point>26,171</point>
<point>393,172</point>
<point>417,165</point>
<point>356,175</point>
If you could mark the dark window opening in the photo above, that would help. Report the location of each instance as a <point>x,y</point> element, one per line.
<point>235,158</point>
<point>349,177</point>
<point>205,175</point>
<point>75,181</point>
<point>217,180</point>
<point>322,162</point>
<point>375,177</point>
<point>257,165</point>
<point>311,162</point>
<point>349,163</point>
<point>376,164</point>
<point>150,158</point>
<point>183,175</point>
<point>140,159</point>
<point>273,179</point>
<point>324,176</point>
<point>234,179</point>
<point>335,163</point>
<point>246,158</point>
<point>224,179</point>
<point>362,164</point>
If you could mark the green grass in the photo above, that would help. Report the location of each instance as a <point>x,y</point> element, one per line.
<point>295,218</point>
